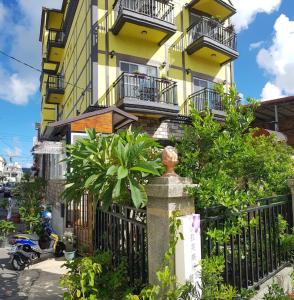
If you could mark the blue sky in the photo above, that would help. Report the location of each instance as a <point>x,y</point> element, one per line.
<point>264,70</point>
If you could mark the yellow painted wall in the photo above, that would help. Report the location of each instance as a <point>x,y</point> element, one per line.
<point>130,42</point>
<point>134,47</point>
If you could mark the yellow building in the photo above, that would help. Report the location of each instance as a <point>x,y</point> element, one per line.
<point>152,58</point>
<point>107,64</point>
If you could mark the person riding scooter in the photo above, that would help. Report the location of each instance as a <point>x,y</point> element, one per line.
<point>29,247</point>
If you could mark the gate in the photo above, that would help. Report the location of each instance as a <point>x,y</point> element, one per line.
<point>123,231</point>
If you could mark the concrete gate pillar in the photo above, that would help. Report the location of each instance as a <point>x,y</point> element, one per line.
<point>165,195</point>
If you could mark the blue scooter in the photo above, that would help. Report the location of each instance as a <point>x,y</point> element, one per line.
<point>27,248</point>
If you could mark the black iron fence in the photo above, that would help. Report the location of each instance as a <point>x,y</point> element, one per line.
<point>255,254</point>
<point>162,10</point>
<point>201,100</point>
<point>122,230</point>
<point>212,29</point>
<point>146,88</point>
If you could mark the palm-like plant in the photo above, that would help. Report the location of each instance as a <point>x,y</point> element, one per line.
<point>112,168</point>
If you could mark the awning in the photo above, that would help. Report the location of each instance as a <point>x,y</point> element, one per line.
<point>48,147</point>
<point>106,120</point>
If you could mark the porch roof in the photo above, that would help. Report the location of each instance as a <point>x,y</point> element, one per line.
<point>106,120</point>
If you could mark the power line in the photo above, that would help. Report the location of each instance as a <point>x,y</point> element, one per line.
<point>20,61</point>
<point>38,70</point>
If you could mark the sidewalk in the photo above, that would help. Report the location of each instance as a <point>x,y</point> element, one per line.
<point>40,281</point>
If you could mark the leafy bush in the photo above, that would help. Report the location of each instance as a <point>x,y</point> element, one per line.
<point>30,194</point>
<point>230,165</point>
<point>95,278</point>
<point>113,168</point>
<point>6,227</point>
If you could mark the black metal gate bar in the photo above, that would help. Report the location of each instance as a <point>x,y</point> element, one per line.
<point>123,231</point>
<point>253,255</point>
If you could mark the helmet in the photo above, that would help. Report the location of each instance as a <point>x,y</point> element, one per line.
<point>46,215</point>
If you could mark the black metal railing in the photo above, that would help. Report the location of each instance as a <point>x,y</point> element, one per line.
<point>202,100</point>
<point>55,82</point>
<point>214,30</point>
<point>163,11</point>
<point>145,88</point>
<point>56,38</point>
<point>255,254</point>
<point>123,231</point>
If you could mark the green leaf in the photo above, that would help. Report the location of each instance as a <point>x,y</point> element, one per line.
<point>116,190</point>
<point>145,167</point>
<point>91,180</point>
<point>122,172</point>
<point>111,170</point>
<point>138,194</point>
<point>107,196</point>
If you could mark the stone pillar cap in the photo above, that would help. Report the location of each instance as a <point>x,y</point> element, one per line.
<point>290,182</point>
<point>168,187</point>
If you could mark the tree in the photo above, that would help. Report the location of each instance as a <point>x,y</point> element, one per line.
<point>231,166</point>
<point>30,194</point>
<point>112,168</point>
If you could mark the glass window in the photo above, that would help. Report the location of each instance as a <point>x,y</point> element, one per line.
<point>132,68</point>
<point>200,84</point>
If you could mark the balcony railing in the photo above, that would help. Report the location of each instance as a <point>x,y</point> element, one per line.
<point>56,38</point>
<point>213,30</point>
<point>163,11</point>
<point>202,100</point>
<point>145,88</point>
<point>55,83</point>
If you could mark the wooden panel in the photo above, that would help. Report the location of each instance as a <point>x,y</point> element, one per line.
<point>102,124</point>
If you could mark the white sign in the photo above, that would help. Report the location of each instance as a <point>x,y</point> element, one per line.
<point>76,136</point>
<point>188,251</point>
<point>48,147</point>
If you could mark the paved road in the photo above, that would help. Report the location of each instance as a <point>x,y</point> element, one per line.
<point>39,282</point>
<point>9,287</point>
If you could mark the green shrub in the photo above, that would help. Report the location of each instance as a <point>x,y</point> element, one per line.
<point>230,165</point>
<point>95,278</point>
<point>113,168</point>
<point>6,227</point>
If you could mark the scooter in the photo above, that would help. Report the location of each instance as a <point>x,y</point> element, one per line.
<point>27,248</point>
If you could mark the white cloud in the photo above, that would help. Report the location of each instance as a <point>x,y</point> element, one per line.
<point>255,45</point>
<point>13,152</point>
<point>248,9</point>
<point>17,82</point>
<point>278,60</point>
<point>271,91</point>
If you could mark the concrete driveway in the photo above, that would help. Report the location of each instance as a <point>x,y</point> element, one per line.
<point>40,281</point>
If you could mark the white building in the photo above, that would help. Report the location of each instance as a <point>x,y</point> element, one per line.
<point>13,172</point>
<point>2,165</point>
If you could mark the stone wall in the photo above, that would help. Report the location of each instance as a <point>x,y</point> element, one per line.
<point>282,278</point>
<point>160,129</point>
<point>54,190</point>
<point>53,198</point>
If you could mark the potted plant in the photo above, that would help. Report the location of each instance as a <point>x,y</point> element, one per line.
<point>68,240</point>
<point>6,227</point>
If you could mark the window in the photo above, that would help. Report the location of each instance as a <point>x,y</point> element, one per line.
<point>133,68</point>
<point>140,87</point>
<point>200,84</point>
<point>57,166</point>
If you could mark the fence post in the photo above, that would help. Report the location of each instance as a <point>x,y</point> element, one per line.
<point>165,195</point>
<point>291,186</point>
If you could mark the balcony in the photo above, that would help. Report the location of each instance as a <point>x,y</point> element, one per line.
<point>55,45</point>
<point>153,18</point>
<point>54,89</point>
<point>209,39</point>
<point>203,100</point>
<point>221,8</point>
<point>140,93</point>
